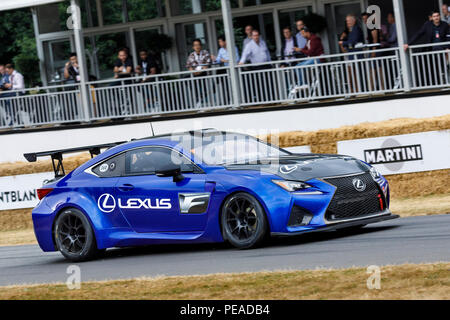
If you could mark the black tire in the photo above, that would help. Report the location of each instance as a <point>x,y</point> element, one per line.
<point>243,220</point>
<point>74,236</point>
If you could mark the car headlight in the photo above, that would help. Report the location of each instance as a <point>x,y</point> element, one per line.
<point>375,174</point>
<point>291,185</point>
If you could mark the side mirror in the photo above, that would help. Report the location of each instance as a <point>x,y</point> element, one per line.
<point>170,170</point>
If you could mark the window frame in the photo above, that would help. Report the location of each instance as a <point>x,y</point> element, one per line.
<point>196,168</point>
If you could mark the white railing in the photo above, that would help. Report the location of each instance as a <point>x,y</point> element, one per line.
<point>430,65</point>
<point>336,76</point>
<point>157,94</point>
<point>40,106</point>
<point>327,76</point>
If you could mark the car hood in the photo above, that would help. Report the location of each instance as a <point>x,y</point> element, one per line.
<point>303,167</point>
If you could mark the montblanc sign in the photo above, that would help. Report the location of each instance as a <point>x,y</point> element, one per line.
<point>19,192</point>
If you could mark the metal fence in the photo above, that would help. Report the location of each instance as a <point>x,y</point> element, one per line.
<point>327,76</point>
<point>430,65</point>
<point>339,76</point>
<point>40,106</point>
<point>156,94</point>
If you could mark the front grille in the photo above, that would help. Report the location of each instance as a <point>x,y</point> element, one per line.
<point>348,203</point>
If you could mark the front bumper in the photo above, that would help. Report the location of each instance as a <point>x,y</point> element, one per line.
<point>383,216</point>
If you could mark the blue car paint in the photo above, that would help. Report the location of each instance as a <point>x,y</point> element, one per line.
<point>82,190</point>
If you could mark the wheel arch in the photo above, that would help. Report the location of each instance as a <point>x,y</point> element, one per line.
<point>72,206</point>
<point>253,194</point>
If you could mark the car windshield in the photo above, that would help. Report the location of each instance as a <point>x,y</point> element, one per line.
<point>230,148</point>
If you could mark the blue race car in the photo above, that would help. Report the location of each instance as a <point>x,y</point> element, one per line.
<point>201,186</point>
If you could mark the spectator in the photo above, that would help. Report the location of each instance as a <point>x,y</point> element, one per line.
<point>16,80</point>
<point>355,34</point>
<point>223,56</point>
<point>199,59</point>
<point>354,37</point>
<point>256,51</point>
<point>4,77</point>
<point>434,31</point>
<point>71,69</point>
<point>146,65</point>
<point>343,37</point>
<point>373,35</point>
<point>123,67</point>
<point>301,41</point>
<point>445,13</point>
<point>392,30</point>
<point>5,114</point>
<point>289,45</point>
<point>313,48</point>
<point>248,31</point>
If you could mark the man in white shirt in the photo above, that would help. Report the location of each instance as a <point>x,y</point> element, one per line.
<point>255,51</point>
<point>16,81</point>
<point>13,88</point>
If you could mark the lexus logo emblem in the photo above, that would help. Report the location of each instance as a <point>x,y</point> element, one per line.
<point>359,185</point>
<point>106,203</point>
<point>288,169</point>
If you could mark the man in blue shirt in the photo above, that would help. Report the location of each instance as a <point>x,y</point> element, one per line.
<point>222,56</point>
<point>301,40</point>
<point>4,77</point>
<point>355,36</point>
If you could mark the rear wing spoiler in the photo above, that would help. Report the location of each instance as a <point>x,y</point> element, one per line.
<point>57,155</point>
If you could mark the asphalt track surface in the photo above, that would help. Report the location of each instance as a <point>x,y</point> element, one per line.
<point>406,240</point>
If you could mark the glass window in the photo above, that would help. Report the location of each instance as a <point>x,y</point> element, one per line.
<point>258,2</point>
<point>113,167</point>
<point>150,41</point>
<point>262,22</point>
<point>89,15</point>
<point>112,12</point>
<point>288,18</point>
<point>186,33</point>
<point>180,7</point>
<point>227,148</point>
<point>56,55</point>
<point>46,17</point>
<point>145,9</point>
<point>47,14</point>
<point>148,160</point>
<point>105,48</point>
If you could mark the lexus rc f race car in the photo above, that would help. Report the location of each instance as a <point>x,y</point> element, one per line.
<point>201,186</point>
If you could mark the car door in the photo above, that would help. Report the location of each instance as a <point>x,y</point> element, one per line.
<point>158,204</point>
<point>102,188</point>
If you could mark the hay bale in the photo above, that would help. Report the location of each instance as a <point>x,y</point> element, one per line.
<point>419,183</point>
<point>364,130</point>
<point>17,168</point>
<point>19,219</point>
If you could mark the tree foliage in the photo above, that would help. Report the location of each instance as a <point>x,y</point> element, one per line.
<point>18,44</point>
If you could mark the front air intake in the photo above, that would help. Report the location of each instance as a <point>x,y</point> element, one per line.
<point>299,217</point>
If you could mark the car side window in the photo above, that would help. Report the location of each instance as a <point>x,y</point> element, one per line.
<point>113,167</point>
<point>147,160</point>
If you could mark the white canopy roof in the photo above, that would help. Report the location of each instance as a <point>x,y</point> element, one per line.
<point>17,4</point>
